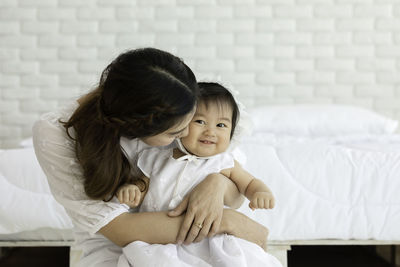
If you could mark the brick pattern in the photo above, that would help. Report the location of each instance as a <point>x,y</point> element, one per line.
<point>271,51</point>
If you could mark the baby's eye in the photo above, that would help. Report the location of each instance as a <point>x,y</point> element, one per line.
<point>221,125</point>
<point>200,122</point>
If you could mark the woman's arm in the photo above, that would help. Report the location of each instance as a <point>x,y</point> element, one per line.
<point>150,227</point>
<point>203,205</point>
<point>159,228</point>
<point>241,226</point>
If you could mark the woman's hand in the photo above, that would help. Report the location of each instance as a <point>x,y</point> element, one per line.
<point>204,208</point>
<point>239,225</point>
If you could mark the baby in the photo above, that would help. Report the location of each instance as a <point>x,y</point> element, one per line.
<point>210,132</point>
<point>175,171</point>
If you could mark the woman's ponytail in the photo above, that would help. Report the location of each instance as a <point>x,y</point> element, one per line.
<point>98,150</point>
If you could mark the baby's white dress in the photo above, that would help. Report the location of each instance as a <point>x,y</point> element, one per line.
<point>170,180</point>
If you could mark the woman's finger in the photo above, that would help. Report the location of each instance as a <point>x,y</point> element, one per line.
<point>207,224</point>
<point>215,226</point>
<point>186,225</point>
<point>196,227</point>
<point>180,209</point>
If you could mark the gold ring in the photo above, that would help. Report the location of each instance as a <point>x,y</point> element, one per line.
<point>200,225</point>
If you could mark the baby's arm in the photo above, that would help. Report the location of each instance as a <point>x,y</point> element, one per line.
<point>260,195</point>
<point>255,190</point>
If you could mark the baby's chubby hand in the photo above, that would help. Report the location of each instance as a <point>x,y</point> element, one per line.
<point>262,200</point>
<point>129,194</point>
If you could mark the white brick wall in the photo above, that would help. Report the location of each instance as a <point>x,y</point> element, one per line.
<point>272,51</point>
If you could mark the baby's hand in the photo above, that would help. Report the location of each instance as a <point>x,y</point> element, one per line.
<point>262,200</point>
<point>129,194</point>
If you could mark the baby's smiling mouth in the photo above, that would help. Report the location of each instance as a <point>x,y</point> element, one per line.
<point>207,142</point>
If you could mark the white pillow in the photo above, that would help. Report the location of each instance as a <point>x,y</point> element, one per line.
<point>320,120</point>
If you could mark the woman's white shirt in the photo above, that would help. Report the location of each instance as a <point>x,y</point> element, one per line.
<point>55,152</point>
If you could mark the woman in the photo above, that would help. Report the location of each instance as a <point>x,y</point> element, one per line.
<point>145,97</point>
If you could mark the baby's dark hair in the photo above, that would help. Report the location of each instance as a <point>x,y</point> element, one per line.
<point>211,92</point>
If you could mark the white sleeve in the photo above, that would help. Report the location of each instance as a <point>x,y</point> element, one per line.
<point>226,161</point>
<point>219,162</point>
<point>56,155</point>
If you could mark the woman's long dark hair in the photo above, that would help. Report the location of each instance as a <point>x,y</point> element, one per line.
<point>143,92</point>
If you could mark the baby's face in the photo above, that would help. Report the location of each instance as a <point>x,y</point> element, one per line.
<point>209,130</point>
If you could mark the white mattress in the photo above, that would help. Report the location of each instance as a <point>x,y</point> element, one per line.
<point>341,188</point>
<point>41,234</point>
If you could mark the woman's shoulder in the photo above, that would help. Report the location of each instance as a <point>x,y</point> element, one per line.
<point>62,112</point>
<point>54,119</point>
<point>49,132</point>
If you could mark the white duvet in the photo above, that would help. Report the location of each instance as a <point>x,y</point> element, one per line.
<point>343,188</point>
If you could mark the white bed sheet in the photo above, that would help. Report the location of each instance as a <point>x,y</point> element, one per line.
<point>328,188</point>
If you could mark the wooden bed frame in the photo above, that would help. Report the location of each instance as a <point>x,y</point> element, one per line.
<point>277,248</point>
